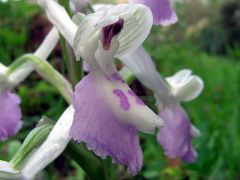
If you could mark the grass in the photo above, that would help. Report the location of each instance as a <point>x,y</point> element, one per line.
<point>215,112</point>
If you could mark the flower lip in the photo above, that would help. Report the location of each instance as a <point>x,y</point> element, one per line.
<point>111,31</point>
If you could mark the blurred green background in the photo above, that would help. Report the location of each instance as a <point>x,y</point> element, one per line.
<point>206,39</point>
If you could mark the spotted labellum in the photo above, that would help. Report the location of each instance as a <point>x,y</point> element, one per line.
<point>108,114</point>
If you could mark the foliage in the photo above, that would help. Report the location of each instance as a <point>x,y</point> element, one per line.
<point>215,112</point>
<point>221,35</point>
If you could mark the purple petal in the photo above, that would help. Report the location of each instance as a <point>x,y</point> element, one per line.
<point>96,124</point>
<point>175,136</point>
<point>163,13</point>
<point>10,115</point>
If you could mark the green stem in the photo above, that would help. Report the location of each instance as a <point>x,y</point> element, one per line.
<point>47,72</point>
<point>89,162</point>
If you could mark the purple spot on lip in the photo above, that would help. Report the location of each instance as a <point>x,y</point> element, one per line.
<point>123,99</point>
<point>117,77</point>
<point>138,100</point>
<point>110,31</point>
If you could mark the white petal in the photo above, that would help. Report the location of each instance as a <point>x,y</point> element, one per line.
<point>190,90</point>
<point>52,147</point>
<point>185,86</point>
<point>180,78</point>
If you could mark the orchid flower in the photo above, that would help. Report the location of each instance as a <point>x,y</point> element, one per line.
<point>10,113</point>
<point>108,114</point>
<point>177,132</point>
<point>163,13</point>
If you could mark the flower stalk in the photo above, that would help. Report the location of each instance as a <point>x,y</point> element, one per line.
<point>44,69</point>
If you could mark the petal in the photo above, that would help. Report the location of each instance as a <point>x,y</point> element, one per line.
<point>108,115</point>
<point>163,13</point>
<point>104,132</point>
<point>185,86</point>
<point>175,136</point>
<point>10,115</point>
<point>191,90</point>
<point>179,78</point>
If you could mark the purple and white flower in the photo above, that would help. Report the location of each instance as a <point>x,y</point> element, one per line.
<point>177,132</point>
<point>108,114</point>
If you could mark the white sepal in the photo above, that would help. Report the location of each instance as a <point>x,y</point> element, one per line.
<point>59,17</point>
<point>137,25</point>
<point>53,146</point>
<point>185,86</point>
